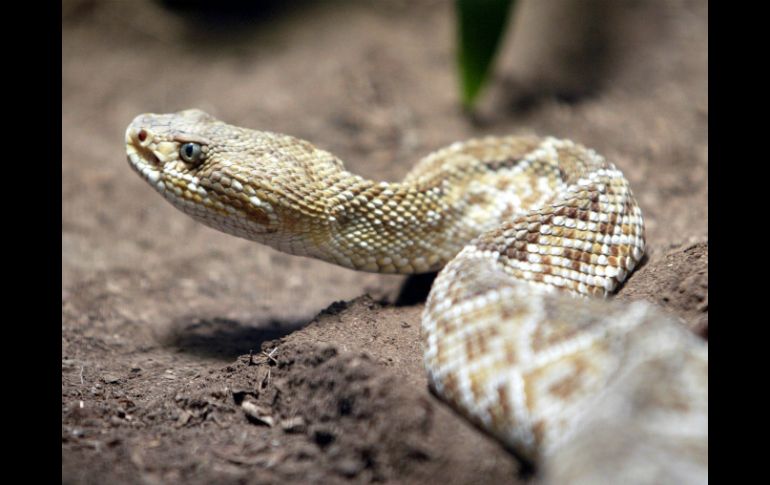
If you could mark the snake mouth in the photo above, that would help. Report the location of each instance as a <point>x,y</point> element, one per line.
<point>141,157</point>
<point>145,163</point>
<point>146,170</point>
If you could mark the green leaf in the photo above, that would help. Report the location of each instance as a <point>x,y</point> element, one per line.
<point>481,24</point>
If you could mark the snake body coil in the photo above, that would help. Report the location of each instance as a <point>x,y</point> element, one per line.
<point>525,229</point>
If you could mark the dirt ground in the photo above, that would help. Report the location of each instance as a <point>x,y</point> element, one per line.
<point>159,314</point>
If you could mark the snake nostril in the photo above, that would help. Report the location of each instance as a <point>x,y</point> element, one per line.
<point>142,135</point>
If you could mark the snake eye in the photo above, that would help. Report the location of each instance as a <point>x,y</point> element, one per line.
<point>191,153</point>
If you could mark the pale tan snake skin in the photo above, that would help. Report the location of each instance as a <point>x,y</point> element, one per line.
<point>531,234</point>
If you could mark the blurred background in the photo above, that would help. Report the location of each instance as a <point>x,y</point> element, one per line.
<point>379,84</point>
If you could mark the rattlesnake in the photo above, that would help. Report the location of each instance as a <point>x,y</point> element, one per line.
<point>526,230</point>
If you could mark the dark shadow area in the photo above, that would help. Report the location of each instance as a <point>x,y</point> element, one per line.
<point>225,339</point>
<point>525,98</point>
<point>415,289</point>
<point>229,28</point>
<point>225,14</point>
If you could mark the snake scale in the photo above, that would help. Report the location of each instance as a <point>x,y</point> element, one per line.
<point>529,234</point>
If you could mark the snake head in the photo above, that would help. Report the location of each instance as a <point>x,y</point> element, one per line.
<point>251,184</point>
<point>201,166</point>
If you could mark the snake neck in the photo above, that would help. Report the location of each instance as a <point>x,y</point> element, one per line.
<point>391,227</point>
